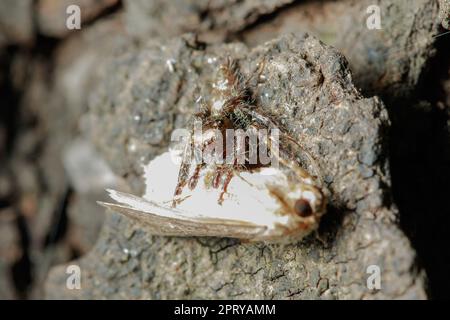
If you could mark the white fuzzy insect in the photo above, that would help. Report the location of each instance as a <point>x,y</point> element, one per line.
<point>271,204</point>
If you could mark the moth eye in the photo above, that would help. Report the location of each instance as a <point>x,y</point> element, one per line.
<point>303,208</point>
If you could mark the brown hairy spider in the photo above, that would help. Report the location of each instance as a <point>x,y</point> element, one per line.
<point>232,106</point>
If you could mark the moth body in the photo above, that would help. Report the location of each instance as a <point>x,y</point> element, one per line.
<point>258,205</point>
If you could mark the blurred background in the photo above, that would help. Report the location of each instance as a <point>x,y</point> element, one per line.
<point>44,73</point>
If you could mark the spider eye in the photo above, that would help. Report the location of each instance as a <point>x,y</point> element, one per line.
<point>303,208</point>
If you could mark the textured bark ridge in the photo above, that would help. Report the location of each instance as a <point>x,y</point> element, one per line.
<point>214,19</point>
<point>308,89</point>
<point>387,62</point>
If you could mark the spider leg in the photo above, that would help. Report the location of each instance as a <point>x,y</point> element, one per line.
<point>193,180</point>
<point>218,177</point>
<point>229,175</point>
<point>260,118</point>
<point>286,143</point>
<point>186,160</point>
<point>288,159</point>
<point>257,73</point>
<point>183,174</point>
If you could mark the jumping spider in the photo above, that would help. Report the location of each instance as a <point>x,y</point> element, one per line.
<point>232,106</point>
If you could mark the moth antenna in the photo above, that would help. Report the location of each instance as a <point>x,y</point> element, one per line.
<point>310,157</point>
<point>301,172</point>
<point>270,124</point>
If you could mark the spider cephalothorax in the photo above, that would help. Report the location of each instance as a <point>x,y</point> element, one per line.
<point>229,98</point>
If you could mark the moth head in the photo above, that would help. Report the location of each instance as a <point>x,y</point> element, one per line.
<point>303,208</point>
<point>307,203</point>
<point>302,205</point>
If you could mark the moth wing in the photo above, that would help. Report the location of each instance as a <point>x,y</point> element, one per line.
<point>167,221</point>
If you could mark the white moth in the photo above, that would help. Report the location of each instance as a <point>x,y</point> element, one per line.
<point>272,204</point>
